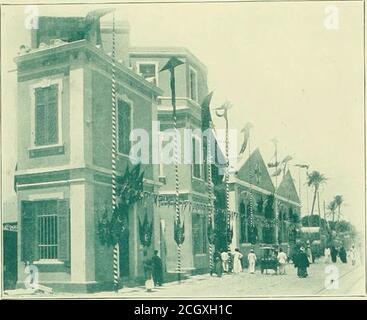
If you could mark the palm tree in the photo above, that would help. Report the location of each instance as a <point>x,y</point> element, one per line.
<point>338,201</point>
<point>315,179</point>
<point>332,206</point>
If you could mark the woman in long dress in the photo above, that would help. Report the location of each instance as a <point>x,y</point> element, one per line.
<point>282,260</point>
<point>251,257</point>
<point>237,265</point>
<point>353,255</point>
<point>327,254</point>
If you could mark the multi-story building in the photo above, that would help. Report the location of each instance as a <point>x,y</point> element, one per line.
<point>191,88</point>
<point>64,157</point>
<point>64,134</point>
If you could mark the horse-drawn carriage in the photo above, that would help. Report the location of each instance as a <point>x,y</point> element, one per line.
<point>268,259</point>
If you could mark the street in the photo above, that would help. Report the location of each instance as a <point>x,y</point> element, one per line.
<point>350,282</point>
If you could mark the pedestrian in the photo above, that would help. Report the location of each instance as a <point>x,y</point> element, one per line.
<point>327,254</point>
<point>218,265</point>
<point>237,265</point>
<point>343,254</point>
<point>333,253</point>
<point>149,284</point>
<point>282,260</point>
<point>251,258</point>
<point>353,255</point>
<point>301,263</point>
<point>225,257</point>
<point>157,269</point>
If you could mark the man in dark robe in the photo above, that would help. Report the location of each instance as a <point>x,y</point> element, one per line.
<point>333,253</point>
<point>157,269</point>
<point>218,265</point>
<point>343,255</point>
<point>301,263</point>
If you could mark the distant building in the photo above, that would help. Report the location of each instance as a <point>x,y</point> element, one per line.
<point>254,197</point>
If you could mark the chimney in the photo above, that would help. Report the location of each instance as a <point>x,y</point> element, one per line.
<point>122,40</point>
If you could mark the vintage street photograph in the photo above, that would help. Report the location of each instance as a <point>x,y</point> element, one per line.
<point>170,150</point>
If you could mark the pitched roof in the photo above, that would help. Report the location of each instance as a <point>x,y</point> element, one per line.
<point>254,171</point>
<point>287,188</point>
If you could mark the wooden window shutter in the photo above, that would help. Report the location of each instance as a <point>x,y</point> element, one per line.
<point>46,117</point>
<point>63,222</point>
<point>52,116</point>
<point>29,250</point>
<point>40,123</point>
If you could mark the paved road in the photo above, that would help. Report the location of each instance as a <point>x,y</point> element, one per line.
<point>348,280</point>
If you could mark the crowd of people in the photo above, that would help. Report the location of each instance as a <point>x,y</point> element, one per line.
<point>302,257</point>
<point>233,262</point>
<point>331,254</point>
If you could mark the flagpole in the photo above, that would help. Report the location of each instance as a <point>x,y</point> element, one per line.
<point>211,204</point>
<point>250,181</point>
<point>207,126</point>
<point>177,182</point>
<point>229,241</point>
<point>116,248</point>
<point>275,192</point>
<point>170,65</point>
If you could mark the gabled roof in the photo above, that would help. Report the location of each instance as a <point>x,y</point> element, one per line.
<point>287,188</point>
<point>254,171</point>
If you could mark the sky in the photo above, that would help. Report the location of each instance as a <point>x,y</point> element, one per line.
<point>277,63</point>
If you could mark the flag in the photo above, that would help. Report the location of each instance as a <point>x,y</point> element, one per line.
<point>145,231</point>
<point>302,165</point>
<point>273,164</point>
<point>224,107</point>
<point>211,232</point>
<point>206,118</point>
<point>277,172</point>
<point>179,232</point>
<point>285,162</point>
<point>172,63</point>
<point>246,136</point>
<point>287,159</point>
